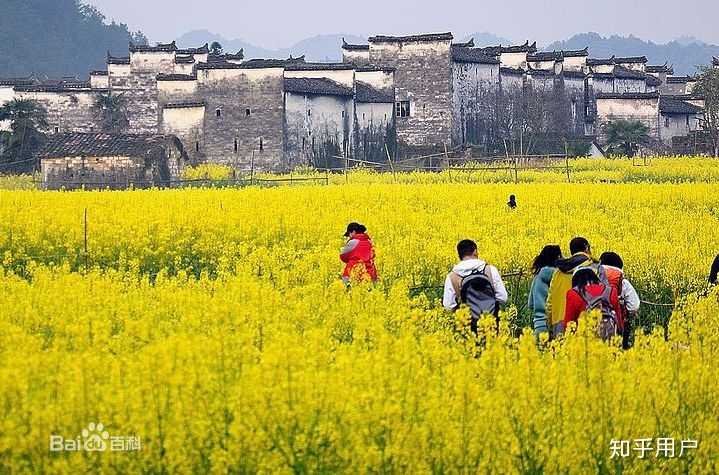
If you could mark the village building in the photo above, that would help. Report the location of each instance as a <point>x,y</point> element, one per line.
<point>679,85</point>
<point>115,161</point>
<point>679,117</point>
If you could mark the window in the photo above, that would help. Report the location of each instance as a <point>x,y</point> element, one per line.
<point>363,116</point>
<point>343,113</point>
<point>235,145</point>
<point>57,129</point>
<point>402,108</point>
<point>197,146</point>
<point>666,122</point>
<point>218,112</point>
<point>261,145</point>
<point>303,143</point>
<point>248,112</point>
<point>687,121</point>
<point>309,112</point>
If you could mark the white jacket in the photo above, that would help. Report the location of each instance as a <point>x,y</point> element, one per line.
<point>463,269</point>
<point>629,295</point>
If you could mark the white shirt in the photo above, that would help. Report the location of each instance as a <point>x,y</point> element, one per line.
<point>629,295</point>
<point>463,269</point>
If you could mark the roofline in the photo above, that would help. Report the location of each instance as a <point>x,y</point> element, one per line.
<point>426,37</point>
<point>627,95</point>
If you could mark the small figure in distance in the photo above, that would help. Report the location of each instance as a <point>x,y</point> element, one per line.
<point>512,203</point>
<point>358,255</point>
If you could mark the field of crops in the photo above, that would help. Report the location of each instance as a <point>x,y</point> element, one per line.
<point>211,326</point>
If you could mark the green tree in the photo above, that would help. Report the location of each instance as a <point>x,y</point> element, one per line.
<point>27,121</point>
<point>216,48</point>
<point>111,111</point>
<point>707,87</point>
<point>625,136</point>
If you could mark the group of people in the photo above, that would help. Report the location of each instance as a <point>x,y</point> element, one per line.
<point>562,288</point>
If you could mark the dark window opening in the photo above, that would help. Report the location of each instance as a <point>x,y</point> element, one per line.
<point>235,145</point>
<point>197,146</point>
<point>218,112</point>
<point>363,116</point>
<point>247,112</point>
<point>303,143</point>
<point>687,121</point>
<point>402,108</point>
<point>666,122</point>
<point>343,113</point>
<point>57,129</point>
<point>309,112</point>
<point>261,145</point>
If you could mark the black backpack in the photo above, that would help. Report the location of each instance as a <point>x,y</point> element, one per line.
<point>477,292</point>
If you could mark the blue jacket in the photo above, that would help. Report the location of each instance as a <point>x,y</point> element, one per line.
<point>537,301</point>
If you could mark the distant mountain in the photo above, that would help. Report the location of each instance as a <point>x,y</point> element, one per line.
<point>685,53</point>
<point>324,48</point>
<point>487,39</point>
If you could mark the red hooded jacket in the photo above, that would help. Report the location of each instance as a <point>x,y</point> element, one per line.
<point>359,250</point>
<point>576,304</point>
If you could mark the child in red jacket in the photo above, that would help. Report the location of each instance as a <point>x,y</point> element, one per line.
<point>588,280</point>
<point>358,254</point>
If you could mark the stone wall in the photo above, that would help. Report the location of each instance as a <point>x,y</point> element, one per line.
<point>645,110</point>
<point>67,110</point>
<point>374,130</point>
<point>318,129</point>
<point>187,123</point>
<point>250,122</point>
<point>424,78</point>
<point>474,89</point>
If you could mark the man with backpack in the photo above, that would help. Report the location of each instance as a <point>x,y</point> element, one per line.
<point>588,294</point>
<point>474,283</point>
<point>561,283</point>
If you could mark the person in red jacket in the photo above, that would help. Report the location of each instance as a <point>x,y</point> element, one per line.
<point>358,254</point>
<point>587,278</point>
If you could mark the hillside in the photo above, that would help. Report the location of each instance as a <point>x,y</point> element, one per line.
<point>57,38</point>
<point>685,53</point>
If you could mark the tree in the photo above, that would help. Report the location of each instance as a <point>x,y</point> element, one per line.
<point>216,48</point>
<point>111,111</point>
<point>625,136</point>
<point>27,120</point>
<point>707,88</point>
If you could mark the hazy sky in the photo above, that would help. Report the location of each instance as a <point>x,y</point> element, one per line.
<point>273,24</point>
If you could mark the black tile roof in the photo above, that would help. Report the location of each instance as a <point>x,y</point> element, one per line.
<point>158,48</point>
<point>574,74</point>
<point>466,44</point>
<point>600,61</point>
<point>250,64</point>
<point>403,39</point>
<point>117,59</point>
<point>575,53</point>
<point>675,106</point>
<point>184,105</point>
<point>239,56</point>
<point>184,59</point>
<point>204,49</point>
<point>540,72</point>
<point>653,81</point>
<point>371,67</point>
<point>512,71</point>
<point>98,73</point>
<point>300,66</point>
<point>630,59</point>
<point>627,95</point>
<point>176,77</point>
<point>318,86</point>
<point>680,79</point>
<point>349,47</point>
<point>625,73</point>
<point>609,76</point>
<point>101,145</point>
<point>545,56</point>
<point>497,50</point>
<point>461,54</point>
<point>660,69</point>
<point>29,81</point>
<point>715,61</point>
<point>367,93</point>
<point>84,87</point>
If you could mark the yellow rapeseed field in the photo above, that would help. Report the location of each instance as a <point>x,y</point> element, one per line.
<point>208,331</point>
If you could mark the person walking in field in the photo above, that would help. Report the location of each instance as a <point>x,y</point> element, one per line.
<point>629,301</point>
<point>561,282</point>
<point>358,255</point>
<point>589,294</point>
<point>474,283</point>
<point>714,271</point>
<point>543,269</point>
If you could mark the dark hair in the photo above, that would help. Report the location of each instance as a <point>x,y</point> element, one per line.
<point>547,258</point>
<point>466,247</point>
<point>578,244</point>
<point>714,271</point>
<point>612,259</point>
<point>584,277</point>
<point>512,197</point>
